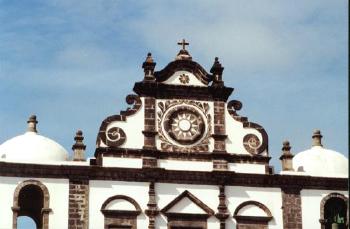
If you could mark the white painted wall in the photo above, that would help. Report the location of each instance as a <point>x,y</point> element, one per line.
<point>246,168</point>
<point>186,165</point>
<point>310,206</point>
<point>59,193</point>
<point>193,81</point>
<point>270,197</point>
<point>100,191</point>
<point>122,162</point>
<point>251,210</point>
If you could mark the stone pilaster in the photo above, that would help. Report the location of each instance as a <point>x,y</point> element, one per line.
<point>291,207</point>
<point>222,215</point>
<point>152,210</point>
<point>150,131</point>
<point>219,135</point>
<point>78,217</point>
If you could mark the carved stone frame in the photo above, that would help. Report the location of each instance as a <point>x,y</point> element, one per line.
<point>261,221</point>
<point>186,220</point>
<point>323,203</point>
<point>120,218</point>
<point>46,201</point>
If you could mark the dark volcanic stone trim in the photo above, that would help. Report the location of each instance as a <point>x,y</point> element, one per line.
<point>78,213</point>
<point>120,217</point>
<point>183,65</point>
<point>322,208</point>
<point>232,107</point>
<point>167,91</point>
<point>291,208</point>
<point>188,156</point>
<point>152,209</point>
<point>223,214</point>
<point>130,99</point>
<point>43,222</point>
<point>171,176</point>
<point>190,196</point>
<point>219,135</point>
<point>150,123</point>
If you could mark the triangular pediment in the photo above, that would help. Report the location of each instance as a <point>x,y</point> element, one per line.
<point>187,203</point>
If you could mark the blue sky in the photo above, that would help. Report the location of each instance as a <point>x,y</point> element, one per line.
<point>73,62</point>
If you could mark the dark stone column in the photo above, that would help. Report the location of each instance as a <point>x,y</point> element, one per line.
<point>78,204</point>
<point>152,211</point>
<point>222,215</point>
<point>291,207</point>
<point>219,135</point>
<point>150,131</point>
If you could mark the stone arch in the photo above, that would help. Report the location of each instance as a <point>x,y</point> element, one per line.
<point>323,204</point>
<point>24,192</point>
<point>120,218</point>
<point>253,221</point>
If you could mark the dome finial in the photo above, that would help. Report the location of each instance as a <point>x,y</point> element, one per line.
<point>32,124</point>
<point>316,138</point>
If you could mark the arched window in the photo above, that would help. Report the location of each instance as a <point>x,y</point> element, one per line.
<point>31,198</point>
<point>334,212</point>
<point>120,212</point>
<point>252,215</point>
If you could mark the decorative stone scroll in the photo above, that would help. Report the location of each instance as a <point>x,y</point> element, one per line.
<point>251,142</point>
<point>114,136</point>
<point>184,125</point>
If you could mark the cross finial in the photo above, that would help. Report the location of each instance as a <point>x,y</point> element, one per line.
<point>183,43</point>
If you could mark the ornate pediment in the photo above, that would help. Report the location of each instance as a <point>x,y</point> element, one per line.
<point>181,113</point>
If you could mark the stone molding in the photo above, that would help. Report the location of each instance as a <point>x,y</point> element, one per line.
<point>172,176</point>
<point>78,212</point>
<point>291,207</point>
<point>188,156</point>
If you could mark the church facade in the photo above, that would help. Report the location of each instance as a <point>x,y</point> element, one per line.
<point>180,157</point>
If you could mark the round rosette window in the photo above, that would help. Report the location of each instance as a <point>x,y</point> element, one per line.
<point>184,125</point>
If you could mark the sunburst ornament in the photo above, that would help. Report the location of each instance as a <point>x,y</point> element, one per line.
<point>185,126</point>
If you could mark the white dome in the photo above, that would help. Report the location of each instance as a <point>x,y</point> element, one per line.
<point>32,148</point>
<point>321,162</point>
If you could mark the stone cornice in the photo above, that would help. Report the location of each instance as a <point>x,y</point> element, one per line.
<point>171,176</point>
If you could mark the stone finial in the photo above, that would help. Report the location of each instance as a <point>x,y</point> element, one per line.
<point>148,68</point>
<point>32,124</point>
<point>286,157</point>
<point>217,70</point>
<point>316,138</point>
<point>79,147</point>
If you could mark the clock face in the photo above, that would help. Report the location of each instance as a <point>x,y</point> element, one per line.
<point>184,125</point>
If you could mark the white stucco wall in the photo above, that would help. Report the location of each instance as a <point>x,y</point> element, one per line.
<point>100,191</point>
<point>186,165</point>
<point>122,162</point>
<point>270,197</point>
<point>59,193</point>
<point>310,205</point>
<point>246,168</point>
